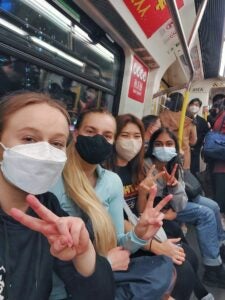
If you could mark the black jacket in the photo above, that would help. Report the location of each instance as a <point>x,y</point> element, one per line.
<point>202,129</point>
<point>26,264</point>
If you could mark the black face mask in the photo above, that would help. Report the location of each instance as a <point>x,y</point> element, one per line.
<point>93,149</point>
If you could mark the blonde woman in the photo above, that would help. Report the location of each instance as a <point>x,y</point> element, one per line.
<point>88,188</point>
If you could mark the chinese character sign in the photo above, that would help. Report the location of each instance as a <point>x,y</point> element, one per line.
<point>150,14</point>
<point>138,81</point>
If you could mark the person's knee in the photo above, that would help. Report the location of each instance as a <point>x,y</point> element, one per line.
<point>215,207</point>
<point>205,214</point>
<point>210,203</point>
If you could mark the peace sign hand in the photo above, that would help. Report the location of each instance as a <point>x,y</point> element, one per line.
<point>151,218</point>
<point>68,236</point>
<point>170,178</point>
<point>149,180</point>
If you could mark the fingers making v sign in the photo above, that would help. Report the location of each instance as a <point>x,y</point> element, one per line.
<point>170,178</point>
<point>150,180</point>
<point>151,218</point>
<point>68,236</point>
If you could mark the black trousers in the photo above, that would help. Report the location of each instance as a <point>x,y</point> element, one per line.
<point>187,274</point>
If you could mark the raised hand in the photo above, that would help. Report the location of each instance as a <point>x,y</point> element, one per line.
<point>119,258</point>
<point>170,178</point>
<point>68,236</point>
<point>151,218</point>
<point>149,180</point>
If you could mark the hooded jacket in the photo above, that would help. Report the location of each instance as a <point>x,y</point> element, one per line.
<point>26,264</point>
<point>171,120</point>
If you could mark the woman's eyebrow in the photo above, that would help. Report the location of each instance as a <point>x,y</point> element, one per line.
<point>28,128</point>
<point>108,132</point>
<point>90,127</point>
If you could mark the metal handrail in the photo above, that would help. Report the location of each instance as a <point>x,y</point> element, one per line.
<point>197,22</point>
<point>193,33</point>
<point>186,50</point>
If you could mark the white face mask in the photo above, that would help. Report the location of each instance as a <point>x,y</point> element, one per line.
<point>33,168</point>
<point>128,148</point>
<point>194,109</point>
<point>164,154</point>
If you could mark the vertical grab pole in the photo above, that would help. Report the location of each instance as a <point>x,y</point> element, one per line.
<point>177,23</point>
<point>182,117</point>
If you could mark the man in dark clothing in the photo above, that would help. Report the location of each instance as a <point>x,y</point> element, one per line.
<point>202,128</point>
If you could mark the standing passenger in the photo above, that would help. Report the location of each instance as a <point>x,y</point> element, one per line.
<point>170,118</point>
<point>151,124</point>
<point>202,128</point>
<point>218,166</point>
<point>32,150</point>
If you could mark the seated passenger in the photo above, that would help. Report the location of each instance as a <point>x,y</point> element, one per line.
<point>203,213</point>
<point>83,178</point>
<point>32,149</point>
<point>127,162</point>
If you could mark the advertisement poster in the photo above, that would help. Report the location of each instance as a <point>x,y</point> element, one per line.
<point>150,14</point>
<point>138,81</point>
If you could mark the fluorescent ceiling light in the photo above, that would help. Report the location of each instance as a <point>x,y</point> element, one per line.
<point>57,51</point>
<point>43,7</point>
<point>103,52</point>
<point>12,27</point>
<point>222,63</point>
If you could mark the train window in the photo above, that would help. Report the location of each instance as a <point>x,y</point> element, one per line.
<point>16,74</point>
<point>103,64</point>
<point>57,54</point>
<point>50,31</point>
<point>40,19</point>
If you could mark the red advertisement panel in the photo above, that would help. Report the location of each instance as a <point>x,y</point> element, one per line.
<point>138,81</point>
<point>150,14</point>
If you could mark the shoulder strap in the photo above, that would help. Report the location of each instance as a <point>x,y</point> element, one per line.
<point>160,234</point>
<point>131,217</point>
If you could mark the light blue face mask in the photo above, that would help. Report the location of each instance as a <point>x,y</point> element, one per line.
<point>164,154</point>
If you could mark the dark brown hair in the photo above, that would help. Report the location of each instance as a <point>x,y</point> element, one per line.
<point>136,164</point>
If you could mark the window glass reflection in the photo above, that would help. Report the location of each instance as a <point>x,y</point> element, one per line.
<point>16,74</point>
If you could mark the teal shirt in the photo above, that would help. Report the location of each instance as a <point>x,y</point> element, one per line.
<point>109,189</point>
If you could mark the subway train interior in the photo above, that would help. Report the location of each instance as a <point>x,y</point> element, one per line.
<point>124,55</point>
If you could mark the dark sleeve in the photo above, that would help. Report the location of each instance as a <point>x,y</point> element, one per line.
<point>203,129</point>
<point>99,286</point>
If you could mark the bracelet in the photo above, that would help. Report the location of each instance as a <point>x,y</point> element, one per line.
<point>150,245</point>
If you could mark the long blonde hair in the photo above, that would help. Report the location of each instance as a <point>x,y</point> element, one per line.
<point>79,189</point>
